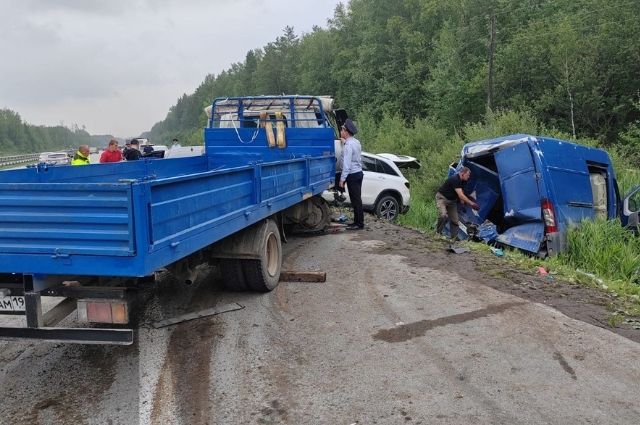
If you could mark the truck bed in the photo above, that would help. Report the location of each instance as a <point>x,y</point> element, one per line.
<point>132,218</point>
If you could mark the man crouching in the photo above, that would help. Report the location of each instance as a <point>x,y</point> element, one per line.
<point>447,201</point>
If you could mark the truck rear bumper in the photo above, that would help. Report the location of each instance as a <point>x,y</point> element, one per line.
<point>71,335</point>
<point>94,304</point>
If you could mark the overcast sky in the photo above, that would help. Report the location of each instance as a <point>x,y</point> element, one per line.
<point>117,66</point>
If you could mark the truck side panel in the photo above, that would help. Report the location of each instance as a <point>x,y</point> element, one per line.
<point>132,218</point>
<point>184,206</point>
<point>63,219</point>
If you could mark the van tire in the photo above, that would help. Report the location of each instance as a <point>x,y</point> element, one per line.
<point>263,274</point>
<point>387,208</point>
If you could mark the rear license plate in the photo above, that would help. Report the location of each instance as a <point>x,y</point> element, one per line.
<point>12,303</point>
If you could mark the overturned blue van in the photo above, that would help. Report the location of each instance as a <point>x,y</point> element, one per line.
<point>531,189</point>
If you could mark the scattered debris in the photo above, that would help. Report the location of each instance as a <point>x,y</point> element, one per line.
<point>487,232</point>
<point>591,276</point>
<point>197,315</point>
<point>292,276</point>
<point>340,219</point>
<point>635,323</point>
<point>458,249</point>
<point>497,251</point>
<point>542,271</point>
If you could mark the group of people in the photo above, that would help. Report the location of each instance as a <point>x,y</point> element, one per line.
<point>131,152</point>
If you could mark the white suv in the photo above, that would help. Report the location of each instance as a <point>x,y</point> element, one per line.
<point>385,191</point>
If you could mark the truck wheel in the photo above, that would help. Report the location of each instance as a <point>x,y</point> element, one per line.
<point>232,274</point>
<point>263,274</point>
<point>387,208</point>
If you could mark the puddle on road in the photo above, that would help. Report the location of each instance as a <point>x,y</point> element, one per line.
<point>416,329</point>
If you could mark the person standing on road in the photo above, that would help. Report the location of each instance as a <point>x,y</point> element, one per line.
<point>447,199</point>
<point>352,172</point>
<point>112,153</point>
<point>82,156</point>
<point>133,153</point>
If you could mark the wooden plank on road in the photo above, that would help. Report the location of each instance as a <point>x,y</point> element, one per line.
<point>292,276</point>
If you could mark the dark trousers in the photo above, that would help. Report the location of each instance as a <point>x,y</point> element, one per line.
<point>354,185</point>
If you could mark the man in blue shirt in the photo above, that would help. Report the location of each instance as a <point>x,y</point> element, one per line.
<point>352,172</point>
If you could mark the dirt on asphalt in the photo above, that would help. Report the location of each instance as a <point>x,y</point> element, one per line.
<point>401,332</point>
<point>580,302</point>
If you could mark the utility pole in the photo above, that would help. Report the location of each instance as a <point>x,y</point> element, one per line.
<point>492,48</point>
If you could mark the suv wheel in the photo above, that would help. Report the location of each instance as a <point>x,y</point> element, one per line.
<point>387,208</point>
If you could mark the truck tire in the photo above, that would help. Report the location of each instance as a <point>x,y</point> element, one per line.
<point>232,274</point>
<point>387,208</point>
<point>263,274</point>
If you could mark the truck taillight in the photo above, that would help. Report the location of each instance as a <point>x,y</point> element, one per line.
<point>549,216</point>
<point>103,311</point>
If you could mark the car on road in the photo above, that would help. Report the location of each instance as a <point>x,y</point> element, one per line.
<point>385,191</point>
<point>57,158</point>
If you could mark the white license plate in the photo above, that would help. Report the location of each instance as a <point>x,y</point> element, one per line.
<point>12,303</point>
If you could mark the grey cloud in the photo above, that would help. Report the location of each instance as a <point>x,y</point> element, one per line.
<point>140,53</point>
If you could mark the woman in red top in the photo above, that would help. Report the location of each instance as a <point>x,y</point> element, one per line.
<point>112,154</point>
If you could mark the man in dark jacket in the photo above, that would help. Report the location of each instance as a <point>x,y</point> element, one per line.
<point>133,152</point>
<point>447,199</point>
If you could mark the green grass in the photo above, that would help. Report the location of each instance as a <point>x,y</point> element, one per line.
<point>607,250</point>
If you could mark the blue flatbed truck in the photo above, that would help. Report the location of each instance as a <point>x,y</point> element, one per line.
<point>87,233</point>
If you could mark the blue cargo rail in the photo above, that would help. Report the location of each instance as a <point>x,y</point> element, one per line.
<point>130,219</point>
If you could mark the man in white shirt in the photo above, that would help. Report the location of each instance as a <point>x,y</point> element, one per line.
<point>352,172</point>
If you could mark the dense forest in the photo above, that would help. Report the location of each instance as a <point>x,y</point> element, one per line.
<point>17,136</point>
<point>573,65</point>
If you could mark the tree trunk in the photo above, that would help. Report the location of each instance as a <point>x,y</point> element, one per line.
<point>566,76</point>
<point>492,47</point>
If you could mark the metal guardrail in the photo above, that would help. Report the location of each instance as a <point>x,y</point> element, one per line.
<point>18,159</point>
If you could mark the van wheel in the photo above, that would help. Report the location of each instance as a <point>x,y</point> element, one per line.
<point>263,274</point>
<point>232,274</point>
<point>387,208</point>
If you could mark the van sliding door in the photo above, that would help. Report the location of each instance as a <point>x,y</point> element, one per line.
<point>521,198</point>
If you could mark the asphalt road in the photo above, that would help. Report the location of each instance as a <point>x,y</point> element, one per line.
<point>387,339</point>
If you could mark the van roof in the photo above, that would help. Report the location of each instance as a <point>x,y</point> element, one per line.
<point>483,147</point>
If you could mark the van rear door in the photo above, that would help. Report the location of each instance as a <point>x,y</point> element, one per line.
<point>521,198</point>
